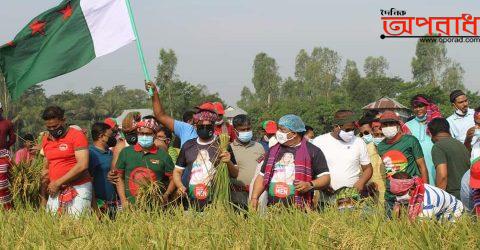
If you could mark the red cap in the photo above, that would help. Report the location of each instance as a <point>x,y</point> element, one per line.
<point>475,174</point>
<point>208,106</point>
<point>389,116</point>
<point>110,122</point>
<point>219,108</point>
<point>270,127</point>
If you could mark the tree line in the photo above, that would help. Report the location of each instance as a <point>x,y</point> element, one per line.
<point>320,86</point>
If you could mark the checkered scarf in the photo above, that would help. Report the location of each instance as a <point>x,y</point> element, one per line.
<point>303,171</point>
<point>205,115</point>
<point>415,204</point>
<point>432,112</point>
<point>148,123</point>
<point>66,197</point>
<point>476,200</point>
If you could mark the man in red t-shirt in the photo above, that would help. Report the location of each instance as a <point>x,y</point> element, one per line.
<point>222,126</point>
<point>66,151</point>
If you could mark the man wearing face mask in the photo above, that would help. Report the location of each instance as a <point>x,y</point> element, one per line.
<point>400,153</point>
<point>425,111</point>
<point>183,130</point>
<point>372,136</point>
<point>248,154</point>
<point>462,119</point>
<point>128,137</point>
<point>66,153</point>
<point>143,162</point>
<point>221,126</point>
<point>292,169</point>
<point>105,199</point>
<point>347,156</point>
<point>198,159</point>
<point>163,140</point>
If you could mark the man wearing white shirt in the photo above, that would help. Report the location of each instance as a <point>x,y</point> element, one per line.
<point>472,140</point>
<point>346,155</point>
<point>462,119</point>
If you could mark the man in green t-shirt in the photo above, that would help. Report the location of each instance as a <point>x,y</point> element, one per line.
<point>400,153</point>
<point>143,162</point>
<point>450,157</point>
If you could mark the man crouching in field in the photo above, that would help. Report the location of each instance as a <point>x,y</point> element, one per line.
<point>292,168</point>
<point>423,200</point>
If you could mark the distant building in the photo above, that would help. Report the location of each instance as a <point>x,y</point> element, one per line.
<point>143,112</point>
<point>231,112</point>
<point>386,103</point>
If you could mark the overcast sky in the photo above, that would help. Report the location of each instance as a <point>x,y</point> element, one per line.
<point>217,40</point>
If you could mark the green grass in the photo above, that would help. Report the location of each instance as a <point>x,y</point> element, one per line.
<point>221,229</point>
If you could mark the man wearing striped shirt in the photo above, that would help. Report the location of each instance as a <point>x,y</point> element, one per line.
<point>423,200</point>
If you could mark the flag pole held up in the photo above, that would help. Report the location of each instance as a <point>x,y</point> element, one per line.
<point>139,46</point>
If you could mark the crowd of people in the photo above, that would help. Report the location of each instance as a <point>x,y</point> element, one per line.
<point>428,165</point>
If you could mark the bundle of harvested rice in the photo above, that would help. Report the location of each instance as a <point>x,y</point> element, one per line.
<point>149,195</point>
<point>221,180</point>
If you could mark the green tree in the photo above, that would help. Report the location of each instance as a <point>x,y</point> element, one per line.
<point>266,78</point>
<point>429,62</point>
<point>351,79</point>
<point>375,67</point>
<point>321,72</point>
<point>166,75</point>
<point>452,77</point>
<point>26,112</point>
<point>301,63</point>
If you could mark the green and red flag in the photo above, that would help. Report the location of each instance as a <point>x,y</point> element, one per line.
<point>63,39</point>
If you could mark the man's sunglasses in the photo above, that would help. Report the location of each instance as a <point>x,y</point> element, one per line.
<point>363,133</point>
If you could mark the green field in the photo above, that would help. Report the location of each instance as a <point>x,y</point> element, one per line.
<point>221,229</point>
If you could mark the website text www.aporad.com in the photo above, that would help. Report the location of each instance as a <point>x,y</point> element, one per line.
<point>453,39</point>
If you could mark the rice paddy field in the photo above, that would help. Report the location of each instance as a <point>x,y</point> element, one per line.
<point>220,228</point>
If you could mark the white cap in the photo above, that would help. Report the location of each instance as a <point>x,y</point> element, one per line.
<point>1,106</point>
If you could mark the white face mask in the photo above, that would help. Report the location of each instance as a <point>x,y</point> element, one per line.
<point>459,112</point>
<point>390,132</point>
<point>282,137</point>
<point>346,136</point>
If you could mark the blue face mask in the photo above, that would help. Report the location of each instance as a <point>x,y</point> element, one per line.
<point>367,138</point>
<point>377,140</point>
<point>145,141</point>
<point>245,136</point>
<point>421,119</point>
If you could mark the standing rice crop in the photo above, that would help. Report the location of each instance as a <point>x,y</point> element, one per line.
<point>26,180</point>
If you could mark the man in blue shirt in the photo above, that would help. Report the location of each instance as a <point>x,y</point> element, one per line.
<point>462,120</point>
<point>184,130</point>
<point>105,199</point>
